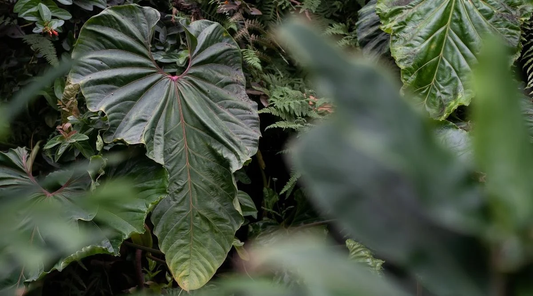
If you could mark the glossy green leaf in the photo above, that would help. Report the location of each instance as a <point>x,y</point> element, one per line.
<point>436,43</point>
<point>144,183</point>
<point>89,4</point>
<point>377,168</point>
<point>247,204</point>
<point>200,125</point>
<point>44,12</point>
<point>28,9</point>
<point>63,191</point>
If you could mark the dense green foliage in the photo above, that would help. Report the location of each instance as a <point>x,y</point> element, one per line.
<point>154,146</point>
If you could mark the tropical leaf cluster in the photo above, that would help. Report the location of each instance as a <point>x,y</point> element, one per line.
<point>157,140</point>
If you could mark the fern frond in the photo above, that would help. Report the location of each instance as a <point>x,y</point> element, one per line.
<point>527,52</point>
<point>289,186</point>
<point>242,34</point>
<point>263,56</point>
<point>254,25</point>
<point>286,125</point>
<point>336,29</point>
<point>311,5</point>
<point>362,255</point>
<point>250,57</point>
<point>236,17</point>
<point>327,9</point>
<point>268,8</point>
<point>43,46</point>
<point>347,36</point>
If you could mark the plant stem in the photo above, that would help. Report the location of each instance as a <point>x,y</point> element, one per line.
<point>498,286</point>
<point>147,249</point>
<point>156,259</point>
<point>139,268</point>
<point>314,224</point>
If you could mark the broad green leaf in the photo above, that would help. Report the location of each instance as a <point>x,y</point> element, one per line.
<point>436,43</point>
<point>65,2</point>
<point>144,183</point>
<point>89,4</point>
<point>247,204</point>
<point>44,12</point>
<point>457,140</point>
<point>377,168</point>
<point>28,9</point>
<point>200,125</point>
<point>64,191</point>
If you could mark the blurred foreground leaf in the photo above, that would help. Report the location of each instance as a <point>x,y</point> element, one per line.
<point>377,167</point>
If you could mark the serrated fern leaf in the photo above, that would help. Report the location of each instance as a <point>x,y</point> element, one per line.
<point>289,186</point>
<point>43,46</point>
<point>336,29</point>
<point>527,52</point>
<point>250,57</point>
<point>286,125</point>
<point>342,30</point>
<point>311,5</point>
<point>362,254</point>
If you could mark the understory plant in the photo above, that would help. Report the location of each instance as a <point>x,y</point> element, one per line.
<point>378,168</point>
<point>155,143</point>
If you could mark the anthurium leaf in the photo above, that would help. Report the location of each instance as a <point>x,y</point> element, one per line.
<point>377,168</point>
<point>200,125</point>
<point>436,43</point>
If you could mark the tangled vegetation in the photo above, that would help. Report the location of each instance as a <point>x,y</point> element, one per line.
<point>143,147</point>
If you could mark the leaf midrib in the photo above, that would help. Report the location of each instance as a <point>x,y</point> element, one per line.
<point>187,164</point>
<point>441,54</point>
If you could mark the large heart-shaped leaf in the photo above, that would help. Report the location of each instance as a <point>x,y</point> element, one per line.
<point>436,43</point>
<point>200,125</point>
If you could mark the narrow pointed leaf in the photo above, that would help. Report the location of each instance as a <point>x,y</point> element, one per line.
<point>200,125</point>
<point>436,43</point>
